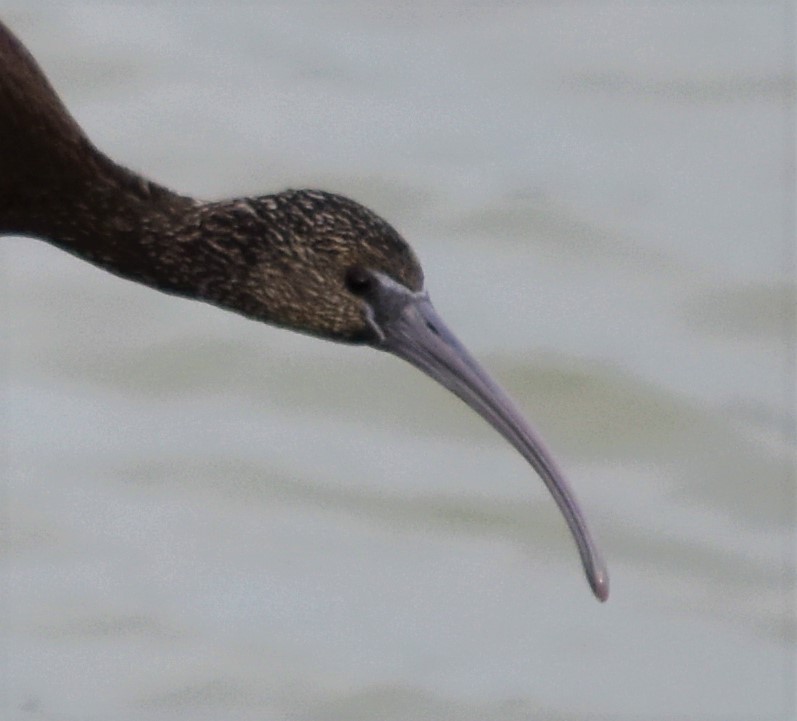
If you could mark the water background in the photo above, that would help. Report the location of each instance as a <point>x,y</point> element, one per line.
<point>208,518</point>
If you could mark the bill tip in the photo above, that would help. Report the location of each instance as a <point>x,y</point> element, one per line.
<point>599,582</point>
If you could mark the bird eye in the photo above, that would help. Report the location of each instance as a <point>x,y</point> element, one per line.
<point>358,280</point>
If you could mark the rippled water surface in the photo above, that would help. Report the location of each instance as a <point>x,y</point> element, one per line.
<point>207,518</point>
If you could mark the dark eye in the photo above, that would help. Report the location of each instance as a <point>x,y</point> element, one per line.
<point>358,280</point>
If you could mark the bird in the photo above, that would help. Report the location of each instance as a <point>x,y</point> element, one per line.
<point>306,260</point>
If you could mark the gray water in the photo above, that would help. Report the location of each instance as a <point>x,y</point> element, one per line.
<point>207,518</point>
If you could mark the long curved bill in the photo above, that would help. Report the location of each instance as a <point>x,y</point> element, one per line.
<point>409,327</point>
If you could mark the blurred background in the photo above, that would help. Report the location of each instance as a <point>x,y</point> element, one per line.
<point>208,518</point>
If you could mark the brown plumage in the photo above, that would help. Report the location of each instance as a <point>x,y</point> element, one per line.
<point>308,260</point>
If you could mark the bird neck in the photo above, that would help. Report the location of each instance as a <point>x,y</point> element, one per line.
<point>57,186</point>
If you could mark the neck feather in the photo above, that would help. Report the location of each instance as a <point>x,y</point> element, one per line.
<point>57,186</point>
